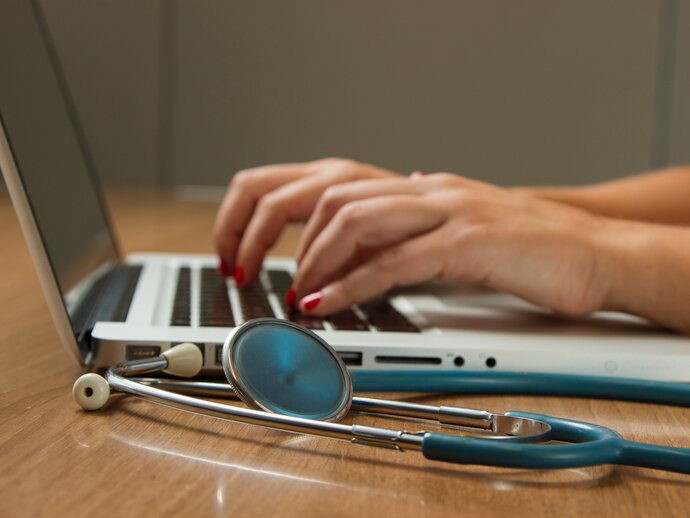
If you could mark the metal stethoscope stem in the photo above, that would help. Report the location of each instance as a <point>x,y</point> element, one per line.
<point>502,426</point>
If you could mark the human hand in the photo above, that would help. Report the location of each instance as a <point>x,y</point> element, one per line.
<point>369,236</point>
<point>261,201</point>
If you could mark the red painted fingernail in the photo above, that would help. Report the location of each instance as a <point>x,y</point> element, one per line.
<point>223,269</point>
<point>312,300</point>
<point>239,274</point>
<point>417,174</point>
<point>290,298</point>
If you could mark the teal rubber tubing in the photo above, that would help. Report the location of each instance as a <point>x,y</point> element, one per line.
<point>591,445</point>
<point>500,382</point>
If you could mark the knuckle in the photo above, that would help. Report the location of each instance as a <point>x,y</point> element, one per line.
<point>332,199</point>
<point>342,168</point>
<point>389,260</point>
<point>351,215</point>
<point>330,160</point>
<point>447,179</point>
<point>468,201</point>
<point>338,162</point>
<point>453,180</point>
<point>269,204</point>
<point>241,179</point>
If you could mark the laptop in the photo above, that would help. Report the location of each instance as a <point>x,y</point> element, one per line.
<point>108,308</point>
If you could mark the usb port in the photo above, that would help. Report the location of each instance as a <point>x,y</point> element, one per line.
<point>141,352</point>
<point>351,358</point>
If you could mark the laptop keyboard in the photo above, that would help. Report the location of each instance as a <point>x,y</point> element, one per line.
<point>214,305</point>
<point>216,309</point>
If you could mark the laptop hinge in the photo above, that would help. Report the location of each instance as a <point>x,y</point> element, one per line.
<point>108,300</point>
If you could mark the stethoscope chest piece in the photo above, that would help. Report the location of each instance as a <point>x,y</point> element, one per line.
<point>279,367</point>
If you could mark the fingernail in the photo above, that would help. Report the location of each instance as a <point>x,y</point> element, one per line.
<point>290,298</point>
<point>311,301</point>
<point>223,269</point>
<point>417,174</point>
<point>238,274</point>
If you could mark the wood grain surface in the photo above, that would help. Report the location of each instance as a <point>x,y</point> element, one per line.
<point>139,459</point>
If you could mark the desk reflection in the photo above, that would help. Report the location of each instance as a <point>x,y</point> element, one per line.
<point>254,457</point>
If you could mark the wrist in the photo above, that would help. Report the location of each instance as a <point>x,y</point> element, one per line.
<point>627,258</point>
<point>574,196</point>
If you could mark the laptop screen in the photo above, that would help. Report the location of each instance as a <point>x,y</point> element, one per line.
<point>48,148</point>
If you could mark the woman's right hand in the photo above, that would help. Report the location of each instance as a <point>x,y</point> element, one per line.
<point>262,200</point>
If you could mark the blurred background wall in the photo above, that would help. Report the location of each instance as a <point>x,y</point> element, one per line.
<point>186,92</point>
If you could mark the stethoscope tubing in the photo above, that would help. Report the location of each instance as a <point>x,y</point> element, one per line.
<point>528,383</point>
<point>592,445</point>
<point>589,444</point>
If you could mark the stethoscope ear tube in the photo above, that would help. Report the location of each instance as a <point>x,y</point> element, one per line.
<point>590,445</point>
<point>531,383</point>
<point>469,450</point>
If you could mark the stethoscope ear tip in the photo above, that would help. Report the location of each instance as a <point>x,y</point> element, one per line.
<point>184,360</point>
<point>91,391</point>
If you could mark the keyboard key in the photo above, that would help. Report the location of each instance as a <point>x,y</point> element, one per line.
<point>307,321</point>
<point>254,302</point>
<point>215,308</point>
<point>347,320</point>
<point>182,303</point>
<point>280,280</point>
<point>385,317</point>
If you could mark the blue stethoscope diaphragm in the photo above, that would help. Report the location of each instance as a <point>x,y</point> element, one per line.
<point>279,367</point>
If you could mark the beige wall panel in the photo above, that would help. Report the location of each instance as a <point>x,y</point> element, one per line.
<point>540,91</point>
<point>680,116</point>
<point>109,50</point>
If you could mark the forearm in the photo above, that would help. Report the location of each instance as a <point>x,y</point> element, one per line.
<point>649,270</point>
<point>659,197</point>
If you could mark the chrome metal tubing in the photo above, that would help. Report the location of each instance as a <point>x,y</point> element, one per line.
<point>143,366</point>
<point>197,388</point>
<point>443,414</point>
<point>499,424</point>
<point>375,436</point>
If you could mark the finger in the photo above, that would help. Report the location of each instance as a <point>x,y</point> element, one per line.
<point>292,202</point>
<point>375,222</point>
<point>246,188</point>
<point>417,260</point>
<point>336,196</point>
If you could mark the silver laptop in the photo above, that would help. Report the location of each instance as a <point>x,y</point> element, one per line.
<point>108,309</point>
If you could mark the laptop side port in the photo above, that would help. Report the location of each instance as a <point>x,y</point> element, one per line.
<point>141,352</point>
<point>351,358</point>
<point>409,360</point>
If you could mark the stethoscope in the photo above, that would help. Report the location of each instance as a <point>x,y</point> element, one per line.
<point>293,381</point>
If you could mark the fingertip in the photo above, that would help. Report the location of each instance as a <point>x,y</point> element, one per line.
<point>223,268</point>
<point>238,274</point>
<point>310,302</point>
<point>291,298</point>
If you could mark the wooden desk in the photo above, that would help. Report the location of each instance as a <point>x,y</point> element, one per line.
<point>138,459</point>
